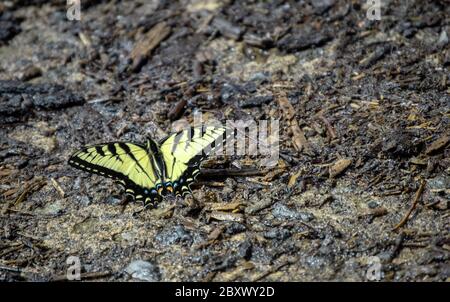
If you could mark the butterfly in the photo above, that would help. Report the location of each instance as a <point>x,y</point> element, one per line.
<point>151,170</point>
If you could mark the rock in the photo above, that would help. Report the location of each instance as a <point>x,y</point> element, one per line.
<point>282,211</point>
<point>245,250</point>
<point>143,270</point>
<point>372,204</point>
<point>177,234</point>
<point>277,233</point>
<point>235,228</point>
<point>230,91</point>
<point>35,137</point>
<point>400,143</point>
<point>261,77</point>
<point>52,208</point>
<point>443,39</point>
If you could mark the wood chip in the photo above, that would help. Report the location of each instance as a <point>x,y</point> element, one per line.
<point>227,29</point>
<point>438,144</point>
<point>377,212</point>
<point>299,138</point>
<point>177,110</point>
<point>5,171</point>
<point>330,129</point>
<point>225,216</point>
<point>339,166</point>
<point>10,192</point>
<point>212,237</point>
<point>215,234</point>
<point>286,107</point>
<point>227,206</point>
<point>293,179</point>
<point>143,49</point>
<point>58,187</point>
<point>271,175</point>
<point>254,208</point>
<point>418,161</point>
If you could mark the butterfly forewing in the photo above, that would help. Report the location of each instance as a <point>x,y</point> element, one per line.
<point>126,162</point>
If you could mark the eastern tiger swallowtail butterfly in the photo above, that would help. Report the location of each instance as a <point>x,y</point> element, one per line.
<point>147,172</point>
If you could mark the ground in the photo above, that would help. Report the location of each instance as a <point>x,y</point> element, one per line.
<point>360,190</point>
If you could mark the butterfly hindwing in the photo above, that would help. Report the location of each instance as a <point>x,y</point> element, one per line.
<point>130,164</point>
<point>183,152</point>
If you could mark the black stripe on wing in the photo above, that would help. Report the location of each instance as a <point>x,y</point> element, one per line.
<point>182,185</point>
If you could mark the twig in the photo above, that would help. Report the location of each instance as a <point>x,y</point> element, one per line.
<point>104,99</point>
<point>413,206</point>
<point>327,123</point>
<point>391,193</point>
<point>415,245</point>
<point>20,212</point>
<point>177,110</point>
<point>11,269</point>
<point>398,245</point>
<point>58,187</point>
<point>274,269</point>
<point>33,186</point>
<point>199,184</point>
<point>13,249</point>
<point>231,172</point>
<point>29,236</point>
<point>28,189</point>
<point>91,275</point>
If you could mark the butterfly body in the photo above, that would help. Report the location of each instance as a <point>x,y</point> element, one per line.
<point>150,171</point>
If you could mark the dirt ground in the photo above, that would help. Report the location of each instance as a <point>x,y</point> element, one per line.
<point>361,189</point>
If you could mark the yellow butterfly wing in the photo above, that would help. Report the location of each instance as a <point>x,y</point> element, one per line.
<point>128,163</point>
<point>183,152</point>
